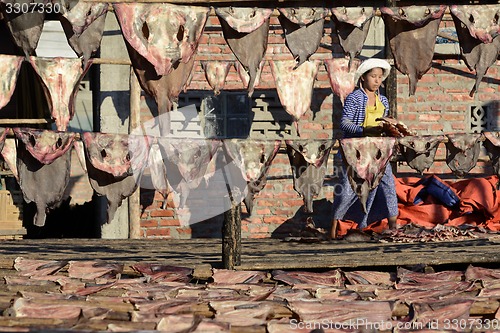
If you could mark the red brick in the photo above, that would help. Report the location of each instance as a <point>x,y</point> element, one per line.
<point>456,108</point>
<point>312,126</point>
<point>286,212</point>
<point>285,195</point>
<point>438,96</point>
<point>437,127</point>
<point>460,98</point>
<point>252,220</point>
<point>458,126</point>
<point>203,39</point>
<point>429,117</point>
<point>213,20</point>
<point>420,126</point>
<point>422,89</point>
<point>273,219</point>
<point>163,232</point>
<point>259,229</point>
<point>265,203</point>
<point>184,231</point>
<point>149,223</point>
<point>264,211</point>
<point>454,117</point>
<point>169,222</point>
<point>407,117</point>
<point>323,135</point>
<point>274,21</point>
<point>483,96</point>
<point>162,213</point>
<point>214,39</point>
<point>293,203</point>
<point>209,49</point>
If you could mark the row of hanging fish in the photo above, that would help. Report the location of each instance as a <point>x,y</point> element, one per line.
<point>367,157</point>
<point>40,160</point>
<point>60,79</point>
<point>162,40</point>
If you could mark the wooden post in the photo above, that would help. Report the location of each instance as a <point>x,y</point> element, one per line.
<point>231,237</point>
<point>231,229</point>
<point>391,83</point>
<point>134,204</point>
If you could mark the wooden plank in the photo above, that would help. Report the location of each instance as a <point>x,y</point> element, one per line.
<point>262,254</point>
<point>379,254</point>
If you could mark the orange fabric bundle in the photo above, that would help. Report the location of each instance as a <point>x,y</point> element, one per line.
<point>479,205</point>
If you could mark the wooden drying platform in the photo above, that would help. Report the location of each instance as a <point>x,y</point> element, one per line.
<point>256,254</point>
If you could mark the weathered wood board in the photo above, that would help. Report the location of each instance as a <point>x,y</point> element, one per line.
<point>261,254</point>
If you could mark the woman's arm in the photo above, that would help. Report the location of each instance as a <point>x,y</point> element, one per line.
<point>385,101</point>
<point>349,113</point>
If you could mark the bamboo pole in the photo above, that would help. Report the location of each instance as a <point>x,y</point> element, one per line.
<point>110,61</point>
<point>229,56</point>
<point>134,209</point>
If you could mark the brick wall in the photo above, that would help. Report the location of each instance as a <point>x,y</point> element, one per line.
<point>441,105</point>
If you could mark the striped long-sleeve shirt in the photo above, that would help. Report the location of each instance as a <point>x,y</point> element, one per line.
<point>353,113</point>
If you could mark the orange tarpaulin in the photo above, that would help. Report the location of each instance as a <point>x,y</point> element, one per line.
<point>479,205</point>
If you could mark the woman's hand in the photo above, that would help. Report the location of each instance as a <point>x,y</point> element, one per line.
<point>373,131</point>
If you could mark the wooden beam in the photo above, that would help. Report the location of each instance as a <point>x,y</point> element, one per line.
<point>134,201</point>
<point>25,121</point>
<point>109,61</point>
<point>229,57</point>
<point>226,3</point>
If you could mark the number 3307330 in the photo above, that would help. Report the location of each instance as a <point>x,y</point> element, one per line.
<point>24,8</point>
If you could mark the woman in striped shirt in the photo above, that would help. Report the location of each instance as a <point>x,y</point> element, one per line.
<point>361,108</point>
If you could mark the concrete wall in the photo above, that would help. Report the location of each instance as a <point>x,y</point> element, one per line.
<point>113,111</point>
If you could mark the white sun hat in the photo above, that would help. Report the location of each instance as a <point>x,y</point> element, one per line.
<point>369,64</point>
